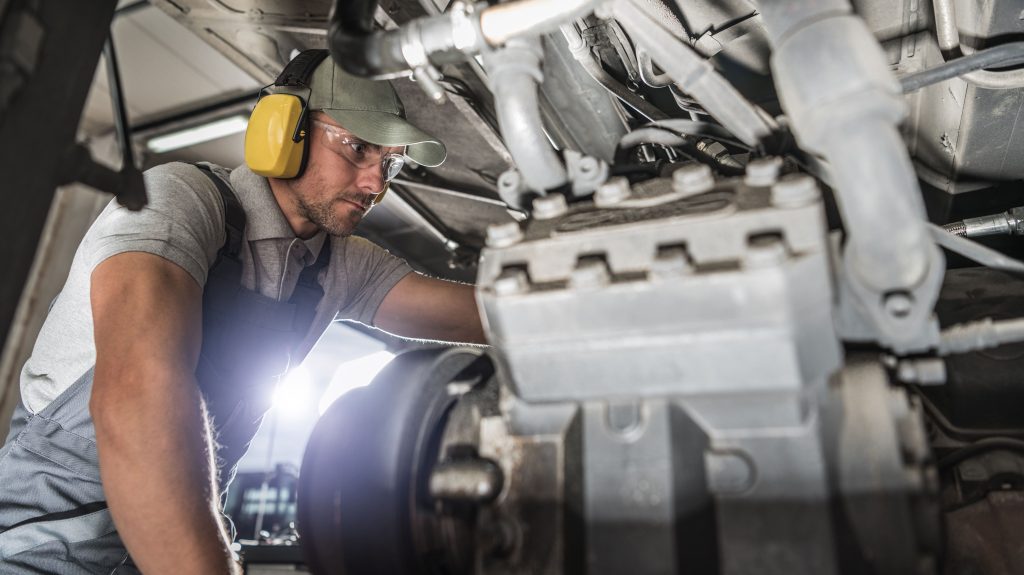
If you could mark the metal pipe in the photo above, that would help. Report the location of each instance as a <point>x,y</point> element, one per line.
<point>441,39</point>
<point>1006,223</point>
<point>828,61</point>
<point>970,69</point>
<point>949,42</point>
<point>581,53</point>
<point>117,103</point>
<point>515,78</point>
<point>502,22</point>
<point>647,73</point>
<point>694,75</point>
<point>974,251</point>
<point>357,48</point>
<point>945,25</point>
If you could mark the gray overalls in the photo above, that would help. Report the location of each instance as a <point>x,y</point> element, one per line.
<point>53,513</point>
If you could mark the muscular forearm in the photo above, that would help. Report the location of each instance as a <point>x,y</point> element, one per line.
<point>155,463</point>
<point>421,307</point>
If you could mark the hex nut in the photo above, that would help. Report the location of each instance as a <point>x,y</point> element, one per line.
<point>548,207</point>
<point>693,179</point>
<point>763,172</point>
<point>795,191</point>
<point>612,192</point>
<point>504,235</point>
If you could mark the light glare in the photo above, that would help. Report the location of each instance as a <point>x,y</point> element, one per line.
<point>291,396</point>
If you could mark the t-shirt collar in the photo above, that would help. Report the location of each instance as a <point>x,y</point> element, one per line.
<point>264,218</point>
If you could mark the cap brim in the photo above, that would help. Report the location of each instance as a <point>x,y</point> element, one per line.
<point>387,129</point>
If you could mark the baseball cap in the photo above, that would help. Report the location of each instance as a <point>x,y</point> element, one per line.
<point>371,110</point>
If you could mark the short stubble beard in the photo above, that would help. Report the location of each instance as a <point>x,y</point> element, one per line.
<point>324,215</point>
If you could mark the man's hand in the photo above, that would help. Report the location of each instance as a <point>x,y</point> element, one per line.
<point>151,431</point>
<point>426,308</point>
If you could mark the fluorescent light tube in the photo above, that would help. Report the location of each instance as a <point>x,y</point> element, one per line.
<point>198,134</point>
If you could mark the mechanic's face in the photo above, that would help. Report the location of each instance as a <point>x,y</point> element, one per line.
<point>343,177</point>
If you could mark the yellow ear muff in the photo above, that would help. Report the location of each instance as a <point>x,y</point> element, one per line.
<point>275,139</point>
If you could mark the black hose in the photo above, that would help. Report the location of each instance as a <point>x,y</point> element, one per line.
<point>1003,55</point>
<point>357,48</point>
<point>981,446</point>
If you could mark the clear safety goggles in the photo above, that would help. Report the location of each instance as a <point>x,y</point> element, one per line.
<point>362,154</point>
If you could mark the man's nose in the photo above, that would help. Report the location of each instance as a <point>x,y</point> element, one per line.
<point>371,178</point>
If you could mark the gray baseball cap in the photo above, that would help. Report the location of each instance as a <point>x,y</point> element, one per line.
<point>371,110</point>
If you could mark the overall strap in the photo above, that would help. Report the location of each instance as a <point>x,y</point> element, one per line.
<point>308,291</point>
<point>234,215</point>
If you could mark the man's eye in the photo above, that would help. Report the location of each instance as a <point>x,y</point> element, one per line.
<point>360,148</point>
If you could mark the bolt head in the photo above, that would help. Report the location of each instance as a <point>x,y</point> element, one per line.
<point>898,304</point>
<point>795,191</point>
<point>549,207</point>
<point>504,235</point>
<point>509,180</point>
<point>693,179</point>
<point>612,192</point>
<point>763,172</point>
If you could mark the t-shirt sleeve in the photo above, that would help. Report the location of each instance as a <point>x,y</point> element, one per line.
<point>368,272</point>
<point>182,223</point>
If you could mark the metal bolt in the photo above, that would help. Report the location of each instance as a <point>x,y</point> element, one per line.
<point>898,304</point>
<point>612,192</point>
<point>587,165</point>
<point>763,172</point>
<point>729,472</point>
<point>511,282</point>
<point>795,191</point>
<point>693,179</point>
<point>504,235</point>
<point>510,181</point>
<point>548,207</point>
<point>764,252</point>
<point>589,275</point>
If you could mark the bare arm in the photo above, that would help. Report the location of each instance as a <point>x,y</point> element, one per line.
<point>427,308</point>
<point>151,433</point>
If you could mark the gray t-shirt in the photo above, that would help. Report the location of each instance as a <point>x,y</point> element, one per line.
<point>184,223</point>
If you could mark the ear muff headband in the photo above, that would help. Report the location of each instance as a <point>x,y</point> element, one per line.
<point>275,139</point>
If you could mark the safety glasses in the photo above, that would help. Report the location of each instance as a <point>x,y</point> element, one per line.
<point>359,153</point>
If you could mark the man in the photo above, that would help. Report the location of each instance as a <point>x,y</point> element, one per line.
<point>173,321</point>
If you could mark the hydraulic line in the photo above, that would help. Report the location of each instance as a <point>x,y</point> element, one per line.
<point>694,74</point>
<point>970,68</point>
<point>439,39</point>
<point>581,52</point>
<point>1006,223</point>
<point>982,334</point>
<point>945,25</point>
<point>974,251</point>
